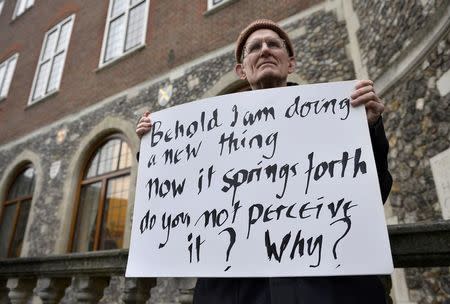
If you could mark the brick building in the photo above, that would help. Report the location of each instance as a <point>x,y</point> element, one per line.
<point>76,75</point>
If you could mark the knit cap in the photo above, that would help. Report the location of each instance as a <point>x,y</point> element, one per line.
<point>257,25</point>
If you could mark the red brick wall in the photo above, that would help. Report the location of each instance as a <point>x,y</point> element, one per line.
<point>173,24</point>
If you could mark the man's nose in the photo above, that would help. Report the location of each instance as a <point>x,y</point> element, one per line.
<point>264,48</point>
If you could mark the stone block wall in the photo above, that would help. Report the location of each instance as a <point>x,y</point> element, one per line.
<point>417,122</point>
<point>388,28</point>
<point>321,53</point>
<point>417,116</point>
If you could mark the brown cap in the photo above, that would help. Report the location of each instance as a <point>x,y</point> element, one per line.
<point>257,25</point>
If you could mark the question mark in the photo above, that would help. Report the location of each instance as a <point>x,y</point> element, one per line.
<point>232,241</point>
<point>349,225</point>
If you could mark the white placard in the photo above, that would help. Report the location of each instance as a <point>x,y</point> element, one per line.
<point>277,182</point>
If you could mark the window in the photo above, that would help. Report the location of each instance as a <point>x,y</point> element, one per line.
<point>103,198</point>
<point>125,28</point>
<point>51,61</point>
<point>216,3</point>
<point>1,5</point>
<point>6,73</point>
<point>14,213</point>
<point>22,6</point>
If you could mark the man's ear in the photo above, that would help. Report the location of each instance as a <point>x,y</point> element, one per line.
<point>292,64</point>
<point>239,69</point>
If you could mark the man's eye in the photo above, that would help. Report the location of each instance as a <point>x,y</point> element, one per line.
<point>273,44</point>
<point>254,47</point>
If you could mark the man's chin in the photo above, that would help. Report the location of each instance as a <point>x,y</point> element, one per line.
<point>269,75</point>
<point>268,80</point>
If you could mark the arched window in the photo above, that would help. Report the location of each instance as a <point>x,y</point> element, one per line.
<point>102,203</point>
<point>14,213</point>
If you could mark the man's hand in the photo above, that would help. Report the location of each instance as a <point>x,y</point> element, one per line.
<point>144,125</point>
<point>364,94</point>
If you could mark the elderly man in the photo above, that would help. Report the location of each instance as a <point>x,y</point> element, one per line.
<point>265,57</point>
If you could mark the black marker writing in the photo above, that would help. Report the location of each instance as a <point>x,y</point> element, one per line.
<point>173,156</point>
<point>181,130</point>
<point>198,243</point>
<point>151,161</point>
<point>272,172</point>
<point>298,247</point>
<point>324,167</point>
<point>317,107</point>
<point>232,234</point>
<point>250,118</point>
<point>200,178</point>
<point>162,189</point>
<point>168,223</point>
<point>147,222</point>
<point>217,218</point>
<point>301,211</point>
<point>233,143</point>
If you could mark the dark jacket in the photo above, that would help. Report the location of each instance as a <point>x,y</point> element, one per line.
<point>306,290</point>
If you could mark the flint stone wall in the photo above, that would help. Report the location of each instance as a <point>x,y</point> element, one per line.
<point>417,122</point>
<point>388,28</point>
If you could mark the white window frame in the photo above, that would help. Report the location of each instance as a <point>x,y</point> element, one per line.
<point>2,3</point>
<point>7,63</point>
<point>28,5</point>
<point>54,54</point>
<point>102,62</point>
<point>212,4</point>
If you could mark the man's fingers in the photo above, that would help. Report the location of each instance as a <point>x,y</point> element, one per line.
<point>141,131</point>
<point>375,107</point>
<point>364,94</point>
<point>146,125</point>
<point>144,120</point>
<point>365,98</point>
<point>362,91</point>
<point>362,83</point>
<point>374,111</point>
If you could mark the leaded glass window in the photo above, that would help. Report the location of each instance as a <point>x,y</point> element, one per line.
<point>22,6</point>
<point>103,198</point>
<point>216,3</point>
<point>14,213</point>
<point>125,28</point>
<point>2,3</point>
<point>7,68</point>
<point>51,61</point>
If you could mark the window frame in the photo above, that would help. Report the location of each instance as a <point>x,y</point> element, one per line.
<point>40,62</point>
<point>19,201</point>
<point>109,20</point>
<point>212,6</point>
<point>2,81</point>
<point>104,178</point>
<point>2,4</point>
<point>16,8</point>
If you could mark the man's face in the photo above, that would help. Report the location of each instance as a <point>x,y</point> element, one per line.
<point>266,62</point>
